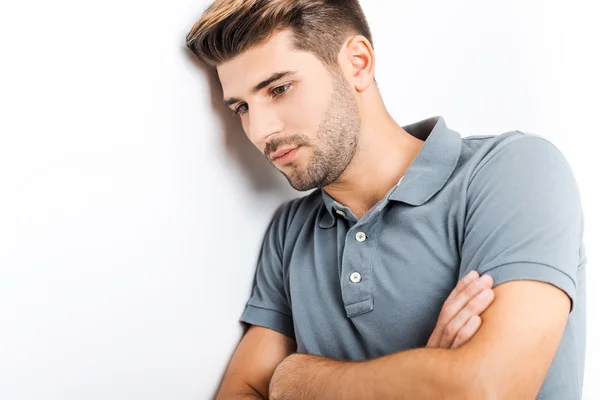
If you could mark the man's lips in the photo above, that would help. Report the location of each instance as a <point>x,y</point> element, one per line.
<point>281,153</point>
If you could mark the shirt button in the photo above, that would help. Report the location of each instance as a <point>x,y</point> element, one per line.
<point>340,212</point>
<point>361,237</point>
<point>355,277</point>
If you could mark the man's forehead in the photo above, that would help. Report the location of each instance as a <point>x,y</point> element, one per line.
<point>262,58</point>
<point>241,79</point>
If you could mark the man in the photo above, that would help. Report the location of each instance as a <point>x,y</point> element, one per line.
<point>356,294</point>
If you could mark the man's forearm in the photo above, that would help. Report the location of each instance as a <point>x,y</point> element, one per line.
<point>413,374</point>
<point>239,392</point>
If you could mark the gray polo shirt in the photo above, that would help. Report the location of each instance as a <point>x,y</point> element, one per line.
<point>354,289</point>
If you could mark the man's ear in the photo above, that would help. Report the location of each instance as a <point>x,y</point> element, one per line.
<point>357,60</point>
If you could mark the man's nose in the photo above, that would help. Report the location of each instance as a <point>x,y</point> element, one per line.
<point>263,125</point>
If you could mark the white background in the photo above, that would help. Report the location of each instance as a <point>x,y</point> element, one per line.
<point>132,206</point>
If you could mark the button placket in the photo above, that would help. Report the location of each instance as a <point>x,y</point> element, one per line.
<point>356,266</point>
<point>357,260</point>
<point>356,277</point>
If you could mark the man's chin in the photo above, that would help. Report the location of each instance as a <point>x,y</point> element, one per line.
<point>300,184</point>
<point>303,188</point>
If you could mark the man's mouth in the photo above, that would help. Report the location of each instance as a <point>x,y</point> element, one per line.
<point>282,152</point>
<point>285,156</point>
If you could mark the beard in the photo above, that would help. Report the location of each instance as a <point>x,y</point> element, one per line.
<point>336,144</point>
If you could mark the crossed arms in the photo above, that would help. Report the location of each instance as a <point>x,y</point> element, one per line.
<point>507,358</point>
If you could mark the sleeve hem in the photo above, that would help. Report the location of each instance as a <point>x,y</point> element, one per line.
<point>524,270</point>
<point>267,318</point>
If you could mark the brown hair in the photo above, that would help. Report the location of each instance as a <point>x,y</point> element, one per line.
<point>229,27</point>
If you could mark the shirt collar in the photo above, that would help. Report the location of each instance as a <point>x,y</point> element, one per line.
<point>426,175</point>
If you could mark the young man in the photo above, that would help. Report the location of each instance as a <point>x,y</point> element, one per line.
<point>354,295</point>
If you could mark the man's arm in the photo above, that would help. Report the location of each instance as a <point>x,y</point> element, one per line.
<point>262,349</point>
<point>251,367</point>
<point>507,358</point>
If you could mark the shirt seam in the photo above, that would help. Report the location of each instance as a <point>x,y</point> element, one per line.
<point>536,263</point>
<point>269,309</point>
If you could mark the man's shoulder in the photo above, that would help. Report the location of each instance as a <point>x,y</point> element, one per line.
<point>482,145</point>
<point>509,149</point>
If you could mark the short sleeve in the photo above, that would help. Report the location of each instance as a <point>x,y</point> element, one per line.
<point>268,305</point>
<point>524,219</point>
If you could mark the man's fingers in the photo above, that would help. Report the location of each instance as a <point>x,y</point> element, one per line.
<point>463,283</point>
<point>467,331</point>
<point>446,328</point>
<point>475,307</point>
<point>444,317</point>
<point>453,306</point>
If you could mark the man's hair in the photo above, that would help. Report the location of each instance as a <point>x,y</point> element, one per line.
<point>229,27</point>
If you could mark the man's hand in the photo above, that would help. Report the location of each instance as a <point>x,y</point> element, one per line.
<point>459,319</point>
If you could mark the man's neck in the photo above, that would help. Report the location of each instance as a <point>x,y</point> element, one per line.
<point>384,154</point>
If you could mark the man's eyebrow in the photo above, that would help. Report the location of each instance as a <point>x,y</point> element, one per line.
<point>275,77</point>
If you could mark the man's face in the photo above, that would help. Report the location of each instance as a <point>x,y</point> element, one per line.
<point>303,118</point>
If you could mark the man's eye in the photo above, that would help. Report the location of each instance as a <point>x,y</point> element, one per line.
<point>241,109</point>
<point>279,90</point>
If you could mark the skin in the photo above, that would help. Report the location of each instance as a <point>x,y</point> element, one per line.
<point>351,147</point>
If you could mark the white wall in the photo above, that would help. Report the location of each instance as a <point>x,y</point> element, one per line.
<point>132,207</point>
